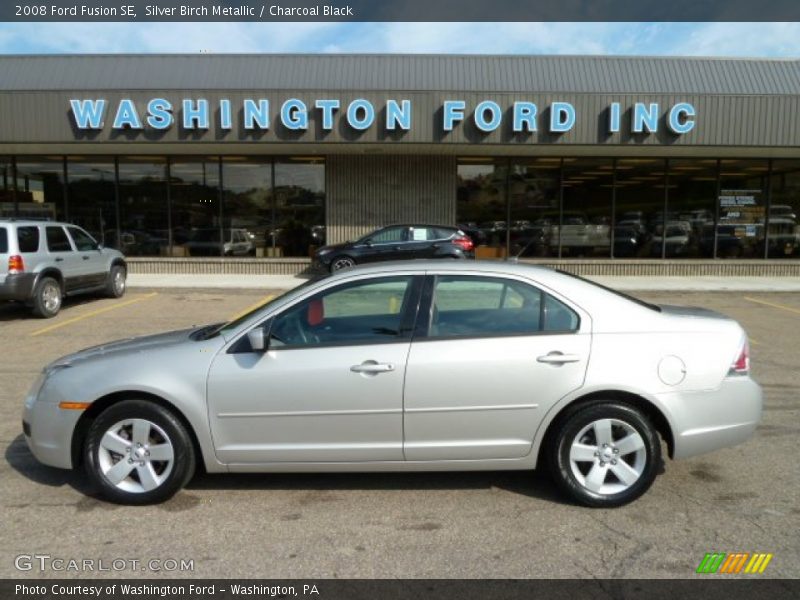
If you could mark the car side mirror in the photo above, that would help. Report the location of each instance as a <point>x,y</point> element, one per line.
<point>258,339</point>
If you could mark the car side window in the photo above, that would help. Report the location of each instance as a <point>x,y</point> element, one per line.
<point>28,239</point>
<point>389,235</point>
<point>57,240</point>
<point>365,312</point>
<point>466,306</point>
<point>82,240</point>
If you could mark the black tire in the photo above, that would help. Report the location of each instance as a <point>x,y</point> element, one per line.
<point>115,288</point>
<point>622,416</point>
<point>47,298</point>
<point>341,262</point>
<point>175,477</point>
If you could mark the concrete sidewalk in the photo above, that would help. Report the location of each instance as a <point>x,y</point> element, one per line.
<point>285,282</point>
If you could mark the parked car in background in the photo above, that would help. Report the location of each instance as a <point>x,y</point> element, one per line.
<point>206,242</point>
<point>41,262</point>
<point>415,366</point>
<point>398,242</point>
<point>677,243</point>
<point>627,242</point>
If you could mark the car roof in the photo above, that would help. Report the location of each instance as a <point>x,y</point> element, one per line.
<point>423,265</point>
<point>28,222</point>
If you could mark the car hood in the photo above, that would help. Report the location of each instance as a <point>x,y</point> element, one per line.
<point>332,247</point>
<point>128,345</point>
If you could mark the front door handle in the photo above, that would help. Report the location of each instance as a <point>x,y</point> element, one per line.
<point>558,358</point>
<point>85,258</point>
<point>370,367</point>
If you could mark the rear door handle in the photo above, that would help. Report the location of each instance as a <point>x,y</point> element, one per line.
<point>85,258</point>
<point>558,358</point>
<point>371,367</point>
<point>59,259</point>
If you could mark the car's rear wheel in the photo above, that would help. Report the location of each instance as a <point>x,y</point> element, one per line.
<point>47,298</point>
<point>605,454</point>
<point>341,262</point>
<point>138,452</point>
<point>117,282</point>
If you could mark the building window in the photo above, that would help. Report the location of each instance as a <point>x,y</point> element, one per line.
<point>144,210</point>
<point>299,206</point>
<point>481,205</point>
<point>783,233</point>
<point>742,201</point>
<point>40,188</point>
<point>91,193</point>
<point>196,211</point>
<point>7,208</point>
<point>587,226</point>
<point>247,190</point>
<point>533,193</point>
<point>640,197</point>
<point>691,208</point>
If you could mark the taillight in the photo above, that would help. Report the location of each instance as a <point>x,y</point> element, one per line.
<point>465,243</point>
<point>741,366</point>
<point>15,264</point>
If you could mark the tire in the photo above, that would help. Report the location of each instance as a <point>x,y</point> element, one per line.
<point>341,262</point>
<point>612,477</point>
<point>150,481</point>
<point>116,284</point>
<point>47,298</point>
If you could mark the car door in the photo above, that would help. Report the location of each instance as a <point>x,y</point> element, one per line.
<point>90,261</point>
<point>490,357</point>
<point>421,243</point>
<point>65,258</point>
<point>329,388</point>
<point>385,244</point>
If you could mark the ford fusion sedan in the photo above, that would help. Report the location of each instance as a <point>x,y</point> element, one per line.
<point>398,242</point>
<point>415,366</point>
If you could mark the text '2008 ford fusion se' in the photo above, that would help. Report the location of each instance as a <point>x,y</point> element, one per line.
<point>415,366</point>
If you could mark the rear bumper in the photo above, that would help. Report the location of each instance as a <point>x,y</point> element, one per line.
<point>709,420</point>
<point>17,286</point>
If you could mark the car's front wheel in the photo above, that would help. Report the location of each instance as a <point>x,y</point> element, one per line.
<point>138,452</point>
<point>341,262</point>
<point>605,454</point>
<point>117,282</point>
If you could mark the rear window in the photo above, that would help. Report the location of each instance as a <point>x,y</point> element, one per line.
<point>3,240</point>
<point>28,239</point>
<point>633,299</point>
<point>57,240</point>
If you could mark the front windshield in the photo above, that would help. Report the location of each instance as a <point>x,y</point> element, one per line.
<point>234,323</point>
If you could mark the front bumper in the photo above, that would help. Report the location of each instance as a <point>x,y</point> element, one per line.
<point>18,286</point>
<point>709,420</point>
<point>48,430</point>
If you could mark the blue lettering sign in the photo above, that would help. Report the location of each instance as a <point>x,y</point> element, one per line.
<point>360,122</point>
<point>195,115</point>
<point>160,115</point>
<point>613,117</point>
<point>225,120</point>
<point>127,115</point>
<point>480,116</point>
<point>645,118</point>
<point>294,114</point>
<point>453,111</point>
<point>398,115</point>
<point>681,118</point>
<point>256,114</point>
<point>562,117</point>
<point>88,113</point>
<point>327,107</point>
<point>524,116</point>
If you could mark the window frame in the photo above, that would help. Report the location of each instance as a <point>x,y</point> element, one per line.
<point>69,229</point>
<point>38,231</point>
<point>425,313</point>
<point>408,317</point>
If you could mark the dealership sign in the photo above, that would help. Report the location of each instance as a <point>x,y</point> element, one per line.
<point>361,114</point>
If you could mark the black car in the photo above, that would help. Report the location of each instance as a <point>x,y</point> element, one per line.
<point>398,242</point>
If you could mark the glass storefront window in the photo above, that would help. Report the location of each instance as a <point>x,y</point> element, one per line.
<point>247,189</point>
<point>7,208</point>
<point>533,192</point>
<point>640,206</point>
<point>587,227</point>
<point>481,204</point>
<point>690,208</point>
<point>299,206</point>
<point>144,211</point>
<point>40,188</point>
<point>742,208</point>
<point>784,232</point>
<point>90,193</point>
<point>196,219</point>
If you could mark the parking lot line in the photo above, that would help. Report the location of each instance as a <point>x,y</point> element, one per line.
<point>253,306</point>
<point>773,305</point>
<point>93,313</point>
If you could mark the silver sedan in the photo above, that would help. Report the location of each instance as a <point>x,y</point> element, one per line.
<point>407,367</point>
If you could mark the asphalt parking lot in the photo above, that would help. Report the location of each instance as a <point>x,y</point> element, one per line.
<point>488,525</point>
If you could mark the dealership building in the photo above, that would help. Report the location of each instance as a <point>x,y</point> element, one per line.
<point>622,165</point>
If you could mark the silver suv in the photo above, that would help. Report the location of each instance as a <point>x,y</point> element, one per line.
<point>41,262</point>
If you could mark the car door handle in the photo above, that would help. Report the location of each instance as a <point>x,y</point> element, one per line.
<point>85,257</point>
<point>371,366</point>
<point>558,358</point>
<point>59,259</point>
